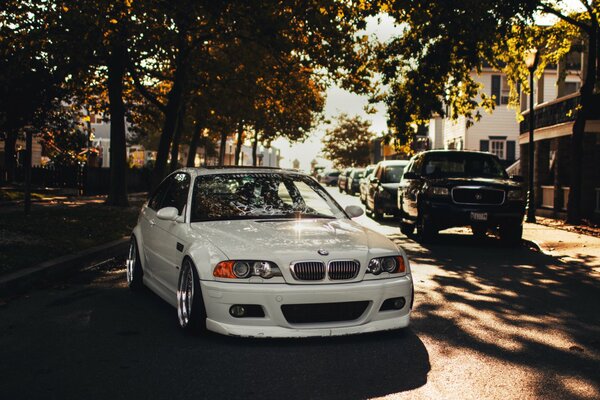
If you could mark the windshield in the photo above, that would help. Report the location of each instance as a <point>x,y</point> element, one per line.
<point>392,174</point>
<point>260,196</point>
<point>470,165</point>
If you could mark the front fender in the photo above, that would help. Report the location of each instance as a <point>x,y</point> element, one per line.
<point>205,256</point>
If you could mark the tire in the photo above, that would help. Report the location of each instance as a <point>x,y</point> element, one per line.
<point>511,234</point>
<point>425,229</point>
<point>191,312</point>
<point>135,273</point>
<point>407,228</point>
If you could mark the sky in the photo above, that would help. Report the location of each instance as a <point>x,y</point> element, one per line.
<point>340,101</point>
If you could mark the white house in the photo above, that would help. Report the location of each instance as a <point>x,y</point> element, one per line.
<point>498,132</point>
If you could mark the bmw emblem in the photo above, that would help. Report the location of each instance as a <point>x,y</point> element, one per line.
<point>478,196</point>
<point>323,252</point>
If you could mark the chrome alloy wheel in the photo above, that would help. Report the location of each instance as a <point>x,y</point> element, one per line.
<point>185,294</point>
<point>131,261</point>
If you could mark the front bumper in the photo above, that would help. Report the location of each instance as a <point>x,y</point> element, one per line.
<point>220,296</point>
<point>448,214</point>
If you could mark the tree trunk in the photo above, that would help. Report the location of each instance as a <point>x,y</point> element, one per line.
<point>586,102</point>
<point>174,101</point>
<point>176,140</point>
<point>10,160</point>
<point>117,193</point>
<point>254,148</point>
<point>222,149</point>
<point>238,143</point>
<point>191,160</point>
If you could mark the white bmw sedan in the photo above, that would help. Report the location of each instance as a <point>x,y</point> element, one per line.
<point>266,253</point>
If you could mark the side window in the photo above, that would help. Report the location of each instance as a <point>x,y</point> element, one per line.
<point>159,194</point>
<point>177,194</point>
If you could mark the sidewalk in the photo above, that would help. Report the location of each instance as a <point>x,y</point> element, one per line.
<point>565,245</point>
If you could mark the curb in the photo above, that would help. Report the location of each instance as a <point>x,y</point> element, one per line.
<point>19,281</point>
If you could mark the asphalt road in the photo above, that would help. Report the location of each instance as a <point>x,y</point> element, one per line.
<point>489,322</point>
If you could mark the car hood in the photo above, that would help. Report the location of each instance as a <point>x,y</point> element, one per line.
<point>476,182</point>
<point>287,241</point>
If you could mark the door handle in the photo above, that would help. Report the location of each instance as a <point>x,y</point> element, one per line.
<point>152,222</point>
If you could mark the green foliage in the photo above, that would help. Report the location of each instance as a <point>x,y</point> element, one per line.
<point>348,142</point>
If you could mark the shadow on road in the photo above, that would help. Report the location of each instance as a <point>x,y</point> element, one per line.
<point>95,333</point>
<point>513,304</point>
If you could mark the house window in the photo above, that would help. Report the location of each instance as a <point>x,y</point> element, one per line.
<point>504,90</point>
<point>500,89</point>
<point>498,147</point>
<point>572,87</point>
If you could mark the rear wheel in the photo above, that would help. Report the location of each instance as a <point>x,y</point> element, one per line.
<point>190,306</point>
<point>511,234</point>
<point>135,274</point>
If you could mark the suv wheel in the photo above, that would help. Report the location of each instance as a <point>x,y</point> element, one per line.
<point>511,234</point>
<point>407,228</point>
<point>425,228</point>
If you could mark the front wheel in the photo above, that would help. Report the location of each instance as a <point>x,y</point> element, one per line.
<point>407,228</point>
<point>511,234</point>
<point>190,306</point>
<point>425,228</point>
<point>135,274</point>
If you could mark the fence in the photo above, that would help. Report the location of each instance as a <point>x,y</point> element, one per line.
<point>86,180</point>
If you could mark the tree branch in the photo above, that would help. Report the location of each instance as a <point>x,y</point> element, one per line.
<point>144,91</point>
<point>566,18</point>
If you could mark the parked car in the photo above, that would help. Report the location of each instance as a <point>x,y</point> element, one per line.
<point>329,177</point>
<point>352,185</point>
<point>364,183</point>
<point>343,180</point>
<point>443,189</point>
<point>266,253</point>
<point>383,188</point>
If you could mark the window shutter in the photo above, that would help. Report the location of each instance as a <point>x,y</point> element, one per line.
<point>484,145</point>
<point>510,150</point>
<point>496,87</point>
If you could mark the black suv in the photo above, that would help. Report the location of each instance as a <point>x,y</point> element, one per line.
<point>446,188</point>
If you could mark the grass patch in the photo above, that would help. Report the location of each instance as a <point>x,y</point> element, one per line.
<point>13,195</point>
<point>55,230</point>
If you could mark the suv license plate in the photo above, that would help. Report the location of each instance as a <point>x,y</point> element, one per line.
<point>479,216</point>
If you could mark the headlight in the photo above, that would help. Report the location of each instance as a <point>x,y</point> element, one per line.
<point>516,195</point>
<point>391,265</point>
<point>438,191</point>
<point>242,269</point>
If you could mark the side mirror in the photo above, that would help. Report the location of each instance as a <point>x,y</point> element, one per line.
<point>354,211</point>
<point>375,181</point>
<point>411,175</point>
<point>516,178</point>
<point>168,214</point>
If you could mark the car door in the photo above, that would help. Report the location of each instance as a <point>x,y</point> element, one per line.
<point>373,187</point>
<point>173,235</point>
<point>402,189</point>
<point>413,188</point>
<point>150,235</point>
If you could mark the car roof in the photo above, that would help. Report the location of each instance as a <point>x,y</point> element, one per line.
<point>216,170</point>
<point>393,162</point>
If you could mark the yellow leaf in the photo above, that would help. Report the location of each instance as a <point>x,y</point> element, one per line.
<point>114,21</point>
<point>65,8</point>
